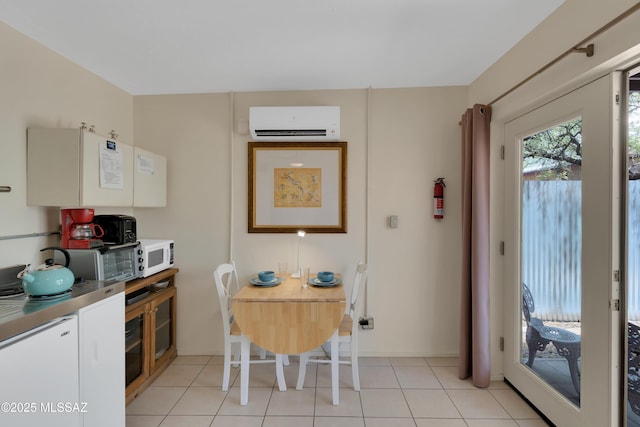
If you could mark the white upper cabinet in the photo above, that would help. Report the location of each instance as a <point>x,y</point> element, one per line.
<point>79,168</point>
<point>75,167</point>
<point>149,179</point>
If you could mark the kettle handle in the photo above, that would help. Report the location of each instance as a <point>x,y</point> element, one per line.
<point>67,257</point>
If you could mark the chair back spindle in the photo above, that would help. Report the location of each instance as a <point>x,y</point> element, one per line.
<point>223,278</point>
<point>359,282</point>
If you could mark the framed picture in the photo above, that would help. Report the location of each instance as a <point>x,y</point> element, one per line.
<point>297,186</point>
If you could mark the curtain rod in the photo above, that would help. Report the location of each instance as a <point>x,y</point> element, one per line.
<point>577,48</point>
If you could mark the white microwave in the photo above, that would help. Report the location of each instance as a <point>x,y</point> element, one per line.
<point>155,255</point>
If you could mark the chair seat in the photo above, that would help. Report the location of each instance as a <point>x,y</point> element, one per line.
<point>344,330</point>
<point>235,329</point>
<point>557,335</point>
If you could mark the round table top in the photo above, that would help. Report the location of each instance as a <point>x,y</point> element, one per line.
<point>289,319</point>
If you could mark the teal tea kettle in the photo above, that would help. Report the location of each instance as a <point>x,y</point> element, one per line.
<point>48,278</point>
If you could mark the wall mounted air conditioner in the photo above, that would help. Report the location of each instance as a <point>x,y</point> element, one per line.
<point>294,123</point>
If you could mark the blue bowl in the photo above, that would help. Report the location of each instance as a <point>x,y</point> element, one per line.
<point>266,276</point>
<point>325,276</point>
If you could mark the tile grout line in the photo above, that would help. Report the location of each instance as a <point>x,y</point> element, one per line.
<point>404,396</point>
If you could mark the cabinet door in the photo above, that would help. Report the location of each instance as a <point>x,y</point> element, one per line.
<point>39,372</point>
<point>102,362</point>
<point>136,347</point>
<point>53,162</point>
<point>107,172</point>
<point>149,179</point>
<point>163,314</point>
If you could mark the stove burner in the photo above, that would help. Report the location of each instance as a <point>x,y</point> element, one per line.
<point>49,297</point>
<point>11,291</point>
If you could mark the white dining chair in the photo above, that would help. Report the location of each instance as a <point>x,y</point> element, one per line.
<point>234,287</point>
<point>346,333</point>
<point>224,276</point>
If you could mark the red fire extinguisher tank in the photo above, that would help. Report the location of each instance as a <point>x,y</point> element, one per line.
<point>438,198</point>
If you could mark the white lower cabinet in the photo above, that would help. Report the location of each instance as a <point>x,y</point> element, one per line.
<point>102,362</point>
<point>39,377</point>
<point>68,372</point>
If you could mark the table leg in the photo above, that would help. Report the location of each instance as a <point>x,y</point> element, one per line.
<point>302,370</point>
<point>335,368</point>
<point>245,345</point>
<point>282,385</point>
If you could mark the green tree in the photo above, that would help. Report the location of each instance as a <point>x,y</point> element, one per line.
<point>554,153</point>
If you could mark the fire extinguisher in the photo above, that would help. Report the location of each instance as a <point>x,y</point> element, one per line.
<point>438,198</point>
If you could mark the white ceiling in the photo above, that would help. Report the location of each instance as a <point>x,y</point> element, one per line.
<point>197,46</point>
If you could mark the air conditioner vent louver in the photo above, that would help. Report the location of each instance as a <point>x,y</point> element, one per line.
<point>291,132</point>
<point>294,123</point>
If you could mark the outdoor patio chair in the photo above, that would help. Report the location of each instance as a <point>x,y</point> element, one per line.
<point>633,370</point>
<point>539,335</point>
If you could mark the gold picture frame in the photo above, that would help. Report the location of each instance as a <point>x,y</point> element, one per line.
<point>297,186</point>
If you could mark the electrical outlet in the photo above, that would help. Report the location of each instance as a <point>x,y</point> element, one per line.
<point>366,322</point>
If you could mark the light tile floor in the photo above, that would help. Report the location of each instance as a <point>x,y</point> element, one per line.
<point>395,392</point>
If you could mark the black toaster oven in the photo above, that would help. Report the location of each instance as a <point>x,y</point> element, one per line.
<point>118,229</point>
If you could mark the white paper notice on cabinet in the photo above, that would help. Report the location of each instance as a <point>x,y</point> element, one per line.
<point>144,165</point>
<point>111,166</point>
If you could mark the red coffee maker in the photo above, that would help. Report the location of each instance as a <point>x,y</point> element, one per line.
<point>78,231</point>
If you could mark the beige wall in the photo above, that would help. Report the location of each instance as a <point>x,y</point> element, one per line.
<point>193,132</point>
<point>394,154</point>
<point>39,88</point>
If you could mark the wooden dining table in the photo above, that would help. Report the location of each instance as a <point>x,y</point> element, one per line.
<point>289,318</point>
